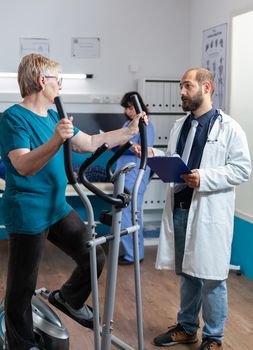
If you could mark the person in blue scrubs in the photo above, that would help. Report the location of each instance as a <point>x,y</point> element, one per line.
<point>126,257</point>
<point>2,169</point>
<point>34,203</point>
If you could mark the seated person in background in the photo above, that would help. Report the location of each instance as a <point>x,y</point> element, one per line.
<point>2,169</point>
<point>126,256</point>
<point>34,204</point>
<point>2,175</point>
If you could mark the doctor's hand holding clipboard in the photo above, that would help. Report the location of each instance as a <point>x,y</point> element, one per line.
<point>170,168</point>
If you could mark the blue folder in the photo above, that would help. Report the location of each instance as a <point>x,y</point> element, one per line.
<point>169,169</point>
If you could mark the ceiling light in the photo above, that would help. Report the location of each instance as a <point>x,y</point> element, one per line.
<point>8,75</point>
<point>76,76</point>
<point>65,76</point>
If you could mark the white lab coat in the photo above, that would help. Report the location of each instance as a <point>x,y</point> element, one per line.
<point>225,163</point>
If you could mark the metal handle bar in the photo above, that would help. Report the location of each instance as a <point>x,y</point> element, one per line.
<point>67,145</point>
<point>120,201</point>
<point>115,157</point>
<point>143,132</point>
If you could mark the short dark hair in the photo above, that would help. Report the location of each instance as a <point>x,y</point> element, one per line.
<point>126,101</point>
<point>202,75</point>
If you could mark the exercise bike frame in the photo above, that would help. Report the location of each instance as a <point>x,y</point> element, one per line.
<point>120,199</point>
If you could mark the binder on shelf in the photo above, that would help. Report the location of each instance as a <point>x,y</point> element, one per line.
<point>169,169</point>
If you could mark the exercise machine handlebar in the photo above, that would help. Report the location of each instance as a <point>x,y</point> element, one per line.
<point>115,157</point>
<point>122,200</point>
<point>143,132</point>
<point>67,145</point>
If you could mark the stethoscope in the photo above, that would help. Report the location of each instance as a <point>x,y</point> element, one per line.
<point>211,124</point>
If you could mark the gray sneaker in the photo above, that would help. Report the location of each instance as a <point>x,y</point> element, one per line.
<point>84,315</point>
<point>85,312</point>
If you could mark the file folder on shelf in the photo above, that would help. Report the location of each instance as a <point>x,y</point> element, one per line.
<point>169,169</point>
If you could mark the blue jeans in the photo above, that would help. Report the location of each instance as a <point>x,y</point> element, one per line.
<point>195,293</point>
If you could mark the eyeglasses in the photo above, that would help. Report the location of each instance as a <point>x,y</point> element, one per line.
<point>59,80</point>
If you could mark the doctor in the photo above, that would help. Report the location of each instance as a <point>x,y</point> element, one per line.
<point>197,225</point>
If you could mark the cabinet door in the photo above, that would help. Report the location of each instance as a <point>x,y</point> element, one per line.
<point>154,96</point>
<point>154,197</point>
<point>162,125</point>
<point>167,97</point>
<point>175,98</point>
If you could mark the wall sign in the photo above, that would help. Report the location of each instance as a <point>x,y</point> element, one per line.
<point>214,59</point>
<point>85,47</point>
<point>34,45</point>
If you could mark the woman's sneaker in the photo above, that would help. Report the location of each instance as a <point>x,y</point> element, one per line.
<point>84,316</point>
<point>175,335</point>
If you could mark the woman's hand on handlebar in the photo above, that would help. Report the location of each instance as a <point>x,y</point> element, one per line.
<point>134,125</point>
<point>64,129</point>
<point>137,150</point>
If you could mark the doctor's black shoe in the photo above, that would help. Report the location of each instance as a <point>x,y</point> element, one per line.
<point>84,316</point>
<point>210,344</point>
<point>175,335</point>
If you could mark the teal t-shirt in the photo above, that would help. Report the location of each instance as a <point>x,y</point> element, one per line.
<point>32,203</point>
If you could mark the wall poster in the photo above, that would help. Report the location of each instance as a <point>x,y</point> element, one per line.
<point>214,59</point>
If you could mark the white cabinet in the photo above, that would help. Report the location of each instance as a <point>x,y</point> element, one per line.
<point>162,125</point>
<point>162,97</point>
<point>155,194</point>
<point>154,96</point>
<point>172,101</point>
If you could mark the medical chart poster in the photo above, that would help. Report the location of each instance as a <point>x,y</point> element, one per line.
<point>214,59</point>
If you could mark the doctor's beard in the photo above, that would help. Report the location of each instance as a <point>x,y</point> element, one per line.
<point>191,104</point>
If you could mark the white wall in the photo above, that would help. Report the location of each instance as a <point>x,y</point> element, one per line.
<point>151,33</point>
<point>206,14</point>
<point>163,37</point>
<point>241,91</point>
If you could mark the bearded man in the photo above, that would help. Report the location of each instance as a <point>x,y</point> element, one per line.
<point>197,225</point>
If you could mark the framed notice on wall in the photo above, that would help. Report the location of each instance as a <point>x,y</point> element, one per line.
<point>214,59</point>
<point>85,47</point>
<point>34,45</point>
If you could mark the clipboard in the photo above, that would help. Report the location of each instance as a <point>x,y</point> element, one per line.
<point>169,169</point>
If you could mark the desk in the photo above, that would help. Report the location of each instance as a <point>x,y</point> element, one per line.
<point>104,186</point>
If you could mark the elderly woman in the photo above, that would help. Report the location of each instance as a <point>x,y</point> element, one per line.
<point>34,204</point>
